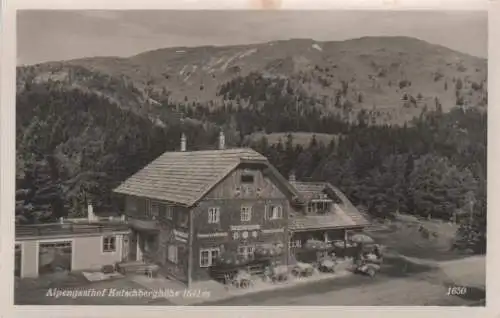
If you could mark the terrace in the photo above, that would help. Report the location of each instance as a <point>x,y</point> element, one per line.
<point>71,227</point>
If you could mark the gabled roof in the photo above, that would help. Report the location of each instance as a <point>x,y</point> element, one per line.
<point>345,214</point>
<point>186,177</point>
<point>348,208</point>
<point>309,190</point>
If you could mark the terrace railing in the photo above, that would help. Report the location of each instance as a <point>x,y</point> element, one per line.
<point>64,229</point>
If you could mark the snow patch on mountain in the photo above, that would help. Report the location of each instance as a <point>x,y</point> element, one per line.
<point>183,70</point>
<point>317,47</point>
<point>229,60</point>
<point>247,53</point>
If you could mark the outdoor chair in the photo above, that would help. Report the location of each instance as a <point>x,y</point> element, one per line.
<point>228,281</point>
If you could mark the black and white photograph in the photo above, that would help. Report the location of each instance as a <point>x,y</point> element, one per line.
<point>251,158</point>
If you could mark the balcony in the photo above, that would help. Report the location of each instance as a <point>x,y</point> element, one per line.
<point>143,224</point>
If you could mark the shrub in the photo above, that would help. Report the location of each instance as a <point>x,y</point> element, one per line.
<point>475,86</point>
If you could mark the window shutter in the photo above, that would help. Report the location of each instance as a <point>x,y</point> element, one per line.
<point>266,211</point>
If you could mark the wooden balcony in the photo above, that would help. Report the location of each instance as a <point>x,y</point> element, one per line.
<point>143,224</point>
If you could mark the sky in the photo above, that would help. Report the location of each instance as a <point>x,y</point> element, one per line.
<point>61,35</point>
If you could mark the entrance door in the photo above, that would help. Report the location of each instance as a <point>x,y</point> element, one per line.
<point>126,248</point>
<point>132,253</point>
<point>54,257</point>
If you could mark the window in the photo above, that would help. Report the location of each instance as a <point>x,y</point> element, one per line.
<point>109,244</point>
<point>246,213</point>
<point>155,209</point>
<point>208,256</point>
<point>295,244</point>
<point>321,206</point>
<point>148,209</point>
<point>213,215</point>
<point>169,212</point>
<point>152,209</point>
<point>172,254</point>
<point>275,212</point>
<point>247,178</point>
<point>246,251</point>
<point>132,204</point>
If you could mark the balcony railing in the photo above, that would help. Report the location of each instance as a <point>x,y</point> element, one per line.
<point>144,224</point>
<point>64,229</point>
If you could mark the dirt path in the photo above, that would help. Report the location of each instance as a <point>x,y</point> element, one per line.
<point>469,271</point>
<point>395,292</point>
<point>428,288</point>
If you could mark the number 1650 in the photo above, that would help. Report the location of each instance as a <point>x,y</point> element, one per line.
<point>455,291</point>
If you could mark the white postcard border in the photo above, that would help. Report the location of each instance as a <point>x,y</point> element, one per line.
<point>7,172</point>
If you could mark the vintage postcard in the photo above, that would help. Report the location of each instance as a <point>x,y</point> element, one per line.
<point>250,158</point>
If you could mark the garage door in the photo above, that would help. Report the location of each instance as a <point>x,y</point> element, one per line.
<point>54,257</point>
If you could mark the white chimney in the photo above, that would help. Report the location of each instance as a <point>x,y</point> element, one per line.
<point>222,140</point>
<point>183,142</point>
<point>291,176</point>
<point>90,213</point>
<point>61,220</point>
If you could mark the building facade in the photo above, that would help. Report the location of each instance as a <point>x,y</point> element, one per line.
<point>186,208</point>
<point>67,246</point>
<point>325,215</point>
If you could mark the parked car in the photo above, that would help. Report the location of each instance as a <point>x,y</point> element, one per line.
<point>369,269</point>
<point>369,264</point>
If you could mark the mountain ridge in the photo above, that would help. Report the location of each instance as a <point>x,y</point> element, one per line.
<point>393,77</point>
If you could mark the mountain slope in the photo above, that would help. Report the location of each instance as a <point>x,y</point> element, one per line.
<point>393,78</point>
